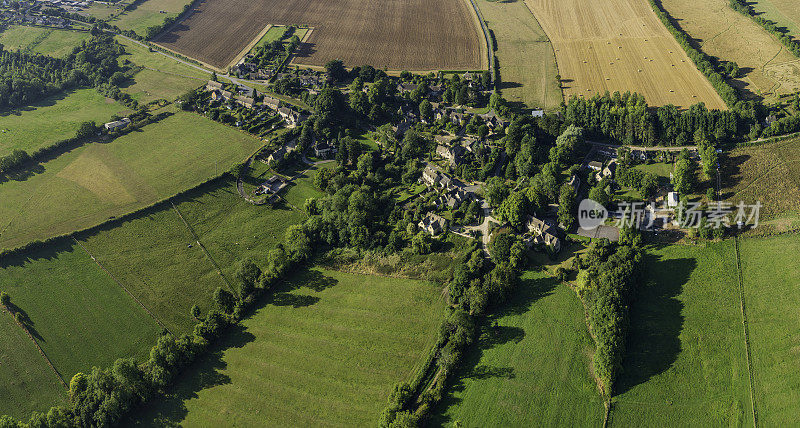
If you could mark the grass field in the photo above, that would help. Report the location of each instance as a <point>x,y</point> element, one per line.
<point>768,173</point>
<point>772,296</point>
<point>53,119</point>
<point>768,68</point>
<point>620,45</point>
<point>156,258</point>
<point>163,77</point>
<point>28,384</point>
<point>97,181</point>
<point>103,11</point>
<point>520,38</point>
<point>406,35</point>
<point>325,352</point>
<point>79,315</point>
<point>685,363</point>
<point>148,14</point>
<point>46,41</point>
<point>533,370</point>
<point>786,13</point>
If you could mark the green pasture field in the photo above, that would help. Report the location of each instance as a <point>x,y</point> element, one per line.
<point>141,55</point>
<point>53,119</point>
<point>770,174</point>
<point>46,41</point>
<point>327,351</point>
<point>771,277</point>
<point>520,38</point>
<point>148,14</point>
<point>101,180</point>
<point>149,85</point>
<point>28,383</point>
<point>79,315</point>
<point>303,186</point>
<point>232,229</point>
<point>685,363</point>
<point>163,76</point>
<point>274,33</point>
<point>661,169</point>
<point>103,11</point>
<point>158,260</point>
<point>532,370</point>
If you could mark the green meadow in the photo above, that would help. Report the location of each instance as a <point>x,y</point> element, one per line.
<point>78,314</point>
<point>45,41</point>
<point>325,351</point>
<point>98,181</point>
<point>148,14</point>
<point>685,363</point>
<point>28,383</point>
<point>53,119</point>
<point>771,277</point>
<point>532,369</point>
<point>155,257</point>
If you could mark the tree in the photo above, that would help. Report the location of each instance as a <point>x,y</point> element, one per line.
<point>421,243</point>
<point>426,111</point>
<point>5,299</point>
<point>599,195</point>
<point>297,244</point>
<point>501,247</point>
<point>195,312</point>
<point>87,129</point>
<point>685,178</point>
<point>224,300</point>
<point>566,206</point>
<point>336,70</point>
<point>514,210</point>
<point>247,274</point>
<point>496,191</point>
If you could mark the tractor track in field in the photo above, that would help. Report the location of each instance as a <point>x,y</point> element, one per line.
<point>202,247</point>
<point>41,351</point>
<point>746,330</point>
<point>121,285</point>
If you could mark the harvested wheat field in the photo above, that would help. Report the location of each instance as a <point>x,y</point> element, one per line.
<point>620,45</point>
<point>415,35</point>
<point>769,70</point>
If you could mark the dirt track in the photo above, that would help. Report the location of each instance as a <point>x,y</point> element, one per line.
<point>394,34</point>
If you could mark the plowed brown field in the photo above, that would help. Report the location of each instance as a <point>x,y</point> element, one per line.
<point>620,45</point>
<point>415,35</point>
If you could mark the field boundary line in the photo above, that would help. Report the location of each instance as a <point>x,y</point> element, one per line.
<point>202,247</point>
<point>746,331</point>
<point>485,30</point>
<point>94,259</point>
<point>41,351</point>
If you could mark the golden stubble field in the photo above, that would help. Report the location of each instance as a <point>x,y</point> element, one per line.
<point>417,35</point>
<point>620,45</point>
<point>768,68</point>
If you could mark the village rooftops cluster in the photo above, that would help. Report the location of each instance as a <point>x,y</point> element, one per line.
<point>33,19</point>
<point>245,97</point>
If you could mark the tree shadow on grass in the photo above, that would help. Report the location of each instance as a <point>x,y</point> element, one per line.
<point>656,320</point>
<point>490,335</point>
<point>171,410</point>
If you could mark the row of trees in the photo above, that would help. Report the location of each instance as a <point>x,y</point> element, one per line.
<point>608,275</point>
<point>27,78</point>
<point>627,119</point>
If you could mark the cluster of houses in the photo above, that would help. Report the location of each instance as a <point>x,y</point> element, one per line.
<point>454,192</point>
<point>245,97</point>
<point>311,80</point>
<point>14,17</point>
<point>252,71</point>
